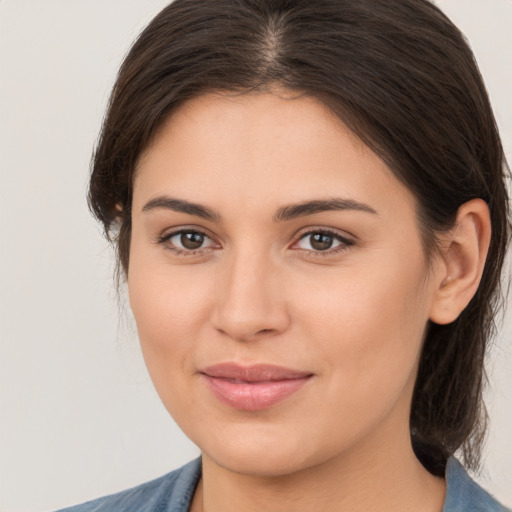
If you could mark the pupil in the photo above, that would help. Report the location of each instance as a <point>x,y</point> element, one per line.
<point>192,240</point>
<point>321,241</point>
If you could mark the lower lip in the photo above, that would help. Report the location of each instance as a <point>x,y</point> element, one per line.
<point>254,396</point>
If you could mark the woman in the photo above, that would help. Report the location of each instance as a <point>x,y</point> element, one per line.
<point>308,203</point>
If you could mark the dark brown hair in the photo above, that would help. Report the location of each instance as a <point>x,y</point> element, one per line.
<point>403,78</point>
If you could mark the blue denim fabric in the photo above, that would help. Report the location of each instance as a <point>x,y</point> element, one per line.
<point>465,495</point>
<point>170,493</point>
<point>173,493</point>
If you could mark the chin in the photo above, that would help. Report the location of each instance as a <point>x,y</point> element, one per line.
<point>259,463</point>
<point>262,454</point>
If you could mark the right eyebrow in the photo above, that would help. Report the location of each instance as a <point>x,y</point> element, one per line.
<point>181,206</point>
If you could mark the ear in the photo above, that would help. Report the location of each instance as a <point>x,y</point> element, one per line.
<point>463,255</point>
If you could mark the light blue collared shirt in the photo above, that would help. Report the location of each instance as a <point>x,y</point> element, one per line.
<point>174,492</point>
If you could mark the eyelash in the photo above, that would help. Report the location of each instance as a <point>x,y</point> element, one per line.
<point>345,243</point>
<point>163,240</point>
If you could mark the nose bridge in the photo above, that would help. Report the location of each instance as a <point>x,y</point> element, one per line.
<point>250,301</point>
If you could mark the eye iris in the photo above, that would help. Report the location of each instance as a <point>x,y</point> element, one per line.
<point>321,241</point>
<point>192,240</point>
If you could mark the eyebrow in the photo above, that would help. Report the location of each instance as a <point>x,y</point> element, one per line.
<point>284,213</point>
<point>181,206</point>
<point>320,205</point>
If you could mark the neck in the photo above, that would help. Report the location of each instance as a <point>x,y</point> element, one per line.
<point>379,476</point>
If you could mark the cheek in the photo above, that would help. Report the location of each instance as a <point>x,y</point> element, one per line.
<point>170,307</point>
<point>166,319</point>
<point>165,299</point>
<point>368,323</point>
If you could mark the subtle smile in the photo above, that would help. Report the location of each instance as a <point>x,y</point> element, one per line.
<point>255,387</point>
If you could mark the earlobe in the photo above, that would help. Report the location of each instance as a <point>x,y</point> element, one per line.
<point>463,260</point>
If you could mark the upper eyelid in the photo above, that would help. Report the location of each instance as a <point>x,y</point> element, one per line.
<point>343,235</point>
<point>301,232</point>
<point>170,232</point>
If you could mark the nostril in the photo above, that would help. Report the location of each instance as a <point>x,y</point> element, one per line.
<point>246,335</point>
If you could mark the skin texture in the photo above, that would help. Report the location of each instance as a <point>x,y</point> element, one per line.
<point>257,291</point>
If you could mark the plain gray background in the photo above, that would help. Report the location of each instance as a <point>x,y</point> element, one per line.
<point>79,417</point>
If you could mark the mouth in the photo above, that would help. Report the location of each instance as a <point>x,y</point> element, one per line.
<point>255,387</point>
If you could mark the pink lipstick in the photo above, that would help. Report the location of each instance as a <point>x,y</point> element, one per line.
<point>255,387</point>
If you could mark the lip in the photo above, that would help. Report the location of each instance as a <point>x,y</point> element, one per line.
<point>254,387</point>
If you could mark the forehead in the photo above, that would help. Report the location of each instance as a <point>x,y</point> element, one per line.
<point>216,121</point>
<point>264,148</point>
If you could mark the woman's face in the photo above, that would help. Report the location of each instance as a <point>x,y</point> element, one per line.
<point>265,233</point>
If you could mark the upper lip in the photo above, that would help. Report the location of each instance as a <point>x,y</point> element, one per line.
<point>253,373</point>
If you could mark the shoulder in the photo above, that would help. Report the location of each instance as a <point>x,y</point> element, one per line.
<point>171,492</point>
<point>463,494</point>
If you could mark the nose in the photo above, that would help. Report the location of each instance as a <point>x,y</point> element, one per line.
<point>250,304</point>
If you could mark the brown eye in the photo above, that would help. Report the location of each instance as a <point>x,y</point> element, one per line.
<point>184,241</point>
<point>321,241</point>
<point>192,240</point>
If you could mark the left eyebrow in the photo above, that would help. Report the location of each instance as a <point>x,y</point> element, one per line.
<point>293,211</point>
